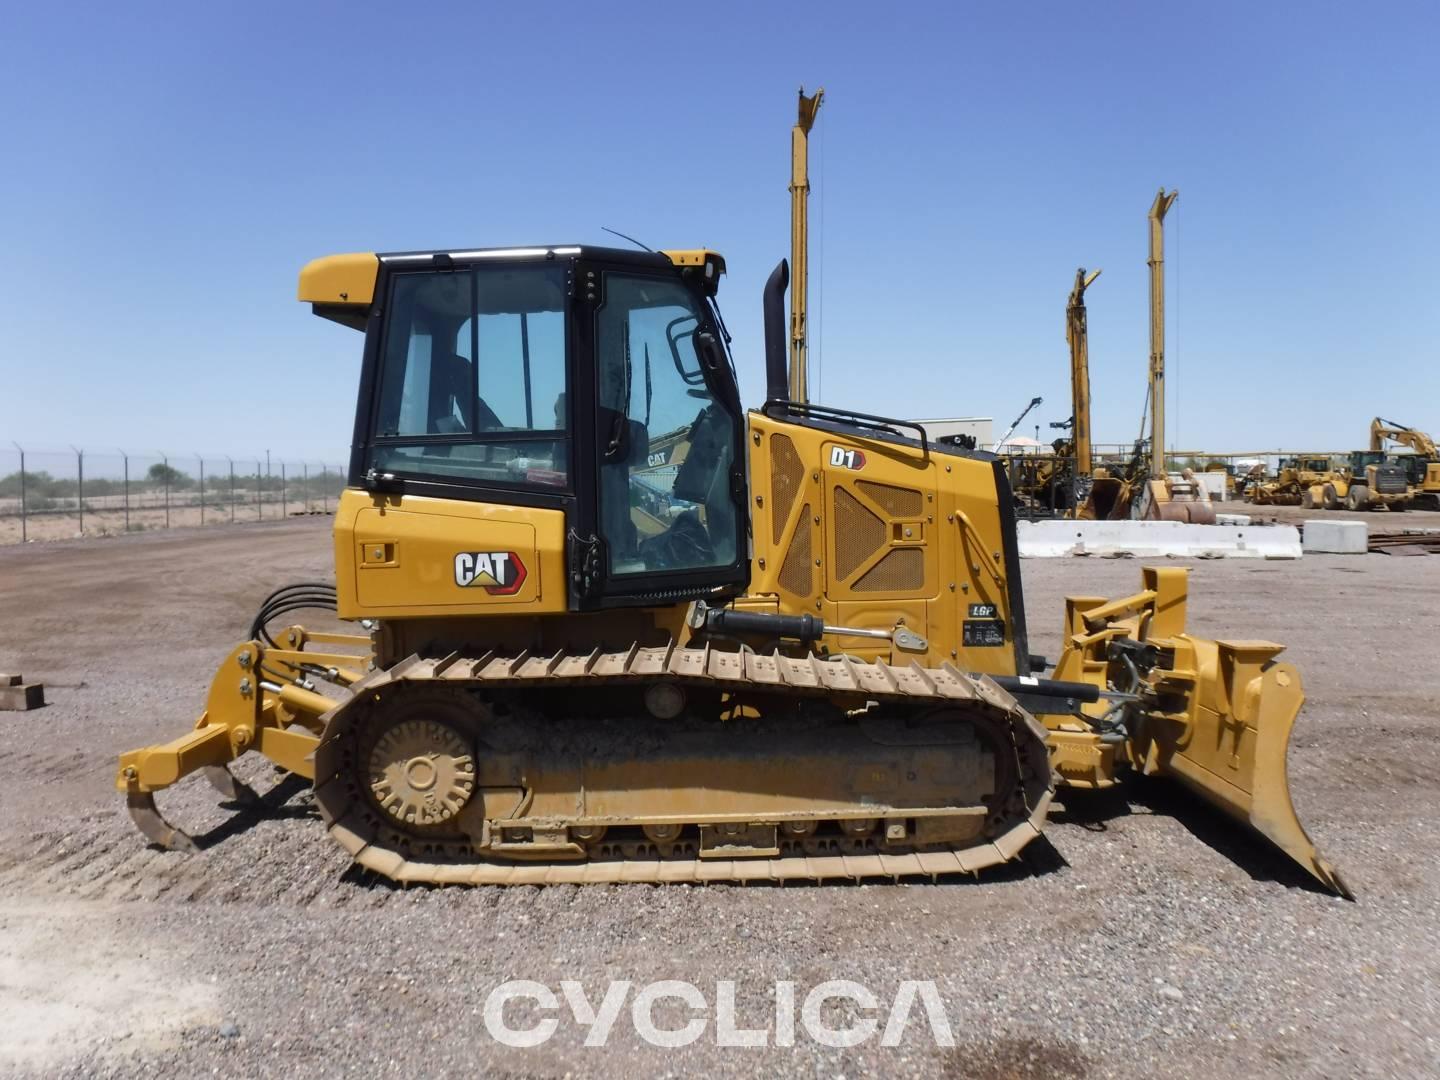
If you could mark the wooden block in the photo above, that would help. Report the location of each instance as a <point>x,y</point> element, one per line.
<point>10,680</point>
<point>18,698</point>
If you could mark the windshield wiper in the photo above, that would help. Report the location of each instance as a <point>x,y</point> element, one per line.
<point>620,426</point>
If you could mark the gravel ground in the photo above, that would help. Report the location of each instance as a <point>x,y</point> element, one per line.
<point>1142,936</point>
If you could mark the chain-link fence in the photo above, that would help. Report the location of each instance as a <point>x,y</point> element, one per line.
<point>62,494</point>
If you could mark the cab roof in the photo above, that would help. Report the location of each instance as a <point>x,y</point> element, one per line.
<point>343,286</point>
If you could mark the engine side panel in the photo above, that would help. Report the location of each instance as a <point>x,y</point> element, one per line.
<point>872,533</point>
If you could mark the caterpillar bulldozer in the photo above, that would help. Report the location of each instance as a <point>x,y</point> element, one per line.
<point>790,643</point>
<point>1291,484</point>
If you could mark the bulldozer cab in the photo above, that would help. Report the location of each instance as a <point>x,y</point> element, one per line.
<point>586,380</point>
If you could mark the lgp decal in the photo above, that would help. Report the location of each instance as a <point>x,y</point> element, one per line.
<point>841,458</point>
<point>499,573</point>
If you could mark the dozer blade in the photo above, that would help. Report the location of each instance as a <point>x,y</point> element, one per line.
<point>159,831</point>
<point>1215,715</point>
<point>1230,746</point>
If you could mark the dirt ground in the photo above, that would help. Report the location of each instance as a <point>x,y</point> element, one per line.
<point>1142,936</point>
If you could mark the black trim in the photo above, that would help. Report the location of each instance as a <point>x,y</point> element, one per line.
<point>837,422</point>
<point>887,424</point>
<point>369,376</point>
<point>777,365</point>
<point>463,490</point>
<point>651,586</point>
<point>1005,500</point>
<point>479,438</point>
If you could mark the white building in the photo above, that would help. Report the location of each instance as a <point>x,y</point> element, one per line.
<point>981,428</point>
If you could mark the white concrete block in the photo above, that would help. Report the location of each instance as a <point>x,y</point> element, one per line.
<point>1336,537</point>
<point>1232,519</point>
<point>1152,539</point>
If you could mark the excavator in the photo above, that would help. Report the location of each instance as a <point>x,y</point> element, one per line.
<point>800,653</point>
<point>1422,466</point>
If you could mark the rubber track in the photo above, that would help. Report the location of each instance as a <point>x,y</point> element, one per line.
<point>845,682</point>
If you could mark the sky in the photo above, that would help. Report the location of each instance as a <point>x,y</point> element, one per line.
<point>167,170</point>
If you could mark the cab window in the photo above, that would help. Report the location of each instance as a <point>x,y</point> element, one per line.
<point>666,443</point>
<point>472,380</point>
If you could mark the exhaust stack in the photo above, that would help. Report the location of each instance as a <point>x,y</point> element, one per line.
<point>777,364</point>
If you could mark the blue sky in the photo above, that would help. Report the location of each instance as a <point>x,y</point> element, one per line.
<point>169,168</point>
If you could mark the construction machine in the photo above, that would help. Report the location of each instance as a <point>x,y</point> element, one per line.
<point>1294,476</point>
<point>1370,480</point>
<point>800,653</point>
<point>1421,465</point>
<point>1163,498</point>
<point>808,109</point>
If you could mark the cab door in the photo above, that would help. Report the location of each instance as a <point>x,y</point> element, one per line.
<point>669,481</point>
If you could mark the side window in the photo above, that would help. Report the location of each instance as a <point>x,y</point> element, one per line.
<point>666,444</point>
<point>472,384</point>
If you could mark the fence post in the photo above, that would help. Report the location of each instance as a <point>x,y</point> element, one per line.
<point>80,484</point>
<point>284,509</point>
<point>126,459</point>
<point>201,459</point>
<point>259,488</point>
<point>232,488</point>
<point>324,489</point>
<point>267,475</point>
<point>165,473</point>
<point>24,531</point>
<point>305,483</point>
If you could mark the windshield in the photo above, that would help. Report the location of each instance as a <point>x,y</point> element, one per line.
<point>472,383</point>
<point>666,441</point>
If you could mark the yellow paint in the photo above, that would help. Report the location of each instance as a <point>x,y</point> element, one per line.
<point>339,279</point>
<point>942,510</point>
<point>395,557</point>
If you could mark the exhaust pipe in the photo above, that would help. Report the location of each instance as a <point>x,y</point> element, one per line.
<point>777,364</point>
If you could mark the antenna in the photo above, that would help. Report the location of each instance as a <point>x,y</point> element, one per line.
<point>637,243</point>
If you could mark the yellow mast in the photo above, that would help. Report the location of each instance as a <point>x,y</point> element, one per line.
<point>1077,334</point>
<point>800,241</point>
<point>1158,209</point>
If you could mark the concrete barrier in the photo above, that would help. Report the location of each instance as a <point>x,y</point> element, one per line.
<point>1151,539</point>
<point>1336,537</point>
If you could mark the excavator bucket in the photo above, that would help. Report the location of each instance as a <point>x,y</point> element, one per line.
<point>1214,715</point>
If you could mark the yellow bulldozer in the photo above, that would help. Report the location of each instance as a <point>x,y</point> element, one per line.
<point>1291,484</point>
<point>798,652</point>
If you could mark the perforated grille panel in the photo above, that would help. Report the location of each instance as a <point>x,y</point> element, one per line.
<point>1390,479</point>
<point>859,534</point>
<point>795,573</point>
<point>902,569</point>
<point>786,474</point>
<point>895,501</point>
